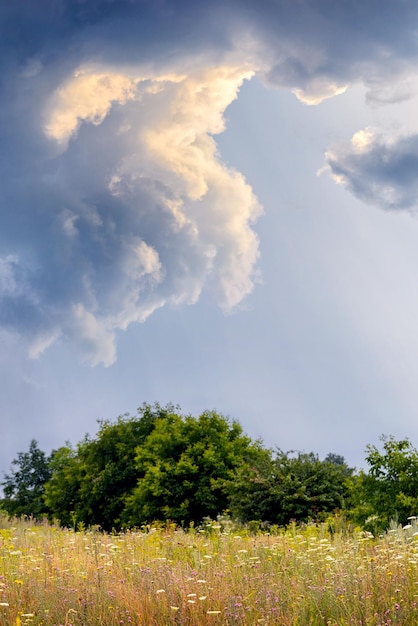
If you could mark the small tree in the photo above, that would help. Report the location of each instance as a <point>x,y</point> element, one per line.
<point>252,491</point>
<point>389,491</point>
<point>62,491</point>
<point>24,486</point>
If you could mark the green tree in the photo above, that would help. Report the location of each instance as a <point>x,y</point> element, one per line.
<point>252,494</point>
<point>62,491</point>
<point>90,484</point>
<point>309,487</point>
<point>289,487</point>
<point>24,486</point>
<point>185,466</point>
<point>389,490</point>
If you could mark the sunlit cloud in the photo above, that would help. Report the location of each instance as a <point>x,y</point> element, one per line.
<point>121,201</point>
<point>318,92</point>
<point>86,97</point>
<point>146,213</point>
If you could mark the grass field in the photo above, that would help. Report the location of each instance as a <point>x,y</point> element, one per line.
<point>214,575</point>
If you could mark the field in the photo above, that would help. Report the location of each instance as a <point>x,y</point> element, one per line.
<point>212,575</point>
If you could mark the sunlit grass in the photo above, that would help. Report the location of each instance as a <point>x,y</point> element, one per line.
<point>214,575</point>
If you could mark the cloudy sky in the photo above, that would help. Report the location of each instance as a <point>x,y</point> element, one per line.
<point>213,204</point>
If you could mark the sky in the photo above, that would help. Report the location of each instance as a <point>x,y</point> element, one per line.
<point>211,204</point>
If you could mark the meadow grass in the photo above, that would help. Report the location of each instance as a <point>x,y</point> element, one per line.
<point>213,575</point>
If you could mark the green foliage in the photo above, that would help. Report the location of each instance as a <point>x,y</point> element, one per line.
<point>310,487</point>
<point>89,485</point>
<point>161,465</point>
<point>24,486</point>
<point>290,487</point>
<point>185,467</point>
<point>62,490</point>
<point>252,492</point>
<point>389,491</point>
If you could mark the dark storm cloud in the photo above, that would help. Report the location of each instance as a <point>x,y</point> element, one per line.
<point>317,47</point>
<point>115,201</point>
<point>379,169</point>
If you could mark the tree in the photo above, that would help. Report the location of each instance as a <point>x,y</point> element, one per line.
<point>291,486</point>
<point>336,459</point>
<point>63,488</point>
<point>90,484</point>
<point>309,487</point>
<point>184,468</point>
<point>252,494</point>
<point>24,486</point>
<point>389,490</point>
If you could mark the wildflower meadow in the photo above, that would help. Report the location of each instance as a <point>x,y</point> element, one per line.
<point>324,574</point>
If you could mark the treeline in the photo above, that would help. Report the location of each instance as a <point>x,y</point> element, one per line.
<point>162,465</point>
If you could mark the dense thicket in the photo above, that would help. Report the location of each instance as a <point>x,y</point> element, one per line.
<point>162,465</point>
<point>290,486</point>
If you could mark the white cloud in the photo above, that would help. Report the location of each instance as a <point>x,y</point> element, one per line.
<point>68,222</point>
<point>8,282</point>
<point>41,343</point>
<point>319,90</point>
<point>96,342</point>
<point>362,140</point>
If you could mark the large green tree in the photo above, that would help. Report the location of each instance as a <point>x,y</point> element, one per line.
<point>185,466</point>
<point>90,483</point>
<point>24,486</point>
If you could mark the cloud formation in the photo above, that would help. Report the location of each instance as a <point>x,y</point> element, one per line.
<point>140,211</point>
<point>116,201</point>
<point>378,169</point>
<point>318,48</point>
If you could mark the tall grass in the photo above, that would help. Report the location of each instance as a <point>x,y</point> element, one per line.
<point>162,576</point>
